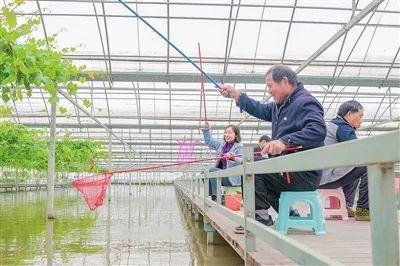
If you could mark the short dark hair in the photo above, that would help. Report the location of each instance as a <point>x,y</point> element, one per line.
<point>236,130</point>
<point>264,137</point>
<point>349,107</point>
<point>278,72</point>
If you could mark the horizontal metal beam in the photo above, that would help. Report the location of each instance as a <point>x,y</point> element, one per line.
<point>194,90</point>
<point>187,118</point>
<point>207,18</point>
<point>162,99</point>
<point>248,78</point>
<point>232,61</point>
<point>155,126</point>
<point>227,4</point>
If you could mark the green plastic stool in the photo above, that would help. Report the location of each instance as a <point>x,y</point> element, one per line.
<point>315,221</point>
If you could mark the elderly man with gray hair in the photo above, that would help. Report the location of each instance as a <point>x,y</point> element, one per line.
<point>297,119</point>
<point>343,128</point>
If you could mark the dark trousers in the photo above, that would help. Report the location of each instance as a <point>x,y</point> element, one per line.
<point>269,187</point>
<point>349,184</point>
<point>349,191</point>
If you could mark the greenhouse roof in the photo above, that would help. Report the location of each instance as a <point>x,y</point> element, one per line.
<point>151,97</point>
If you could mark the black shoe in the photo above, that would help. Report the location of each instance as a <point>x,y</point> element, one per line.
<point>214,198</point>
<point>239,229</point>
<point>267,222</point>
<point>294,213</point>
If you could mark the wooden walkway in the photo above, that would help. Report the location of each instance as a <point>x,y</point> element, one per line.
<point>347,242</point>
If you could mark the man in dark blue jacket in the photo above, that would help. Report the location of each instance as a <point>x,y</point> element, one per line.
<point>297,120</point>
<point>343,128</point>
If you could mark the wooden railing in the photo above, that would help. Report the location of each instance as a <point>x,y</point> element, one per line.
<point>378,153</point>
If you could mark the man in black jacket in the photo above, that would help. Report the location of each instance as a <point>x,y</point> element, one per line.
<point>297,120</point>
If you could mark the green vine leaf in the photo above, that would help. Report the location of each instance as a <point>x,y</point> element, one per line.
<point>5,94</point>
<point>26,61</point>
<point>72,88</point>
<point>5,111</point>
<point>87,103</point>
<point>19,94</point>
<point>11,17</point>
<point>82,79</point>
<point>62,110</point>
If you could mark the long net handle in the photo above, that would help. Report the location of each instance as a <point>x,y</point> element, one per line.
<point>166,165</point>
<point>202,87</point>
<point>290,148</point>
<point>170,43</point>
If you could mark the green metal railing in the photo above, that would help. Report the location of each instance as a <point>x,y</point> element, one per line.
<point>378,153</point>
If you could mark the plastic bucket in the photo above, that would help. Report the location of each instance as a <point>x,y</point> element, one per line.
<point>233,201</point>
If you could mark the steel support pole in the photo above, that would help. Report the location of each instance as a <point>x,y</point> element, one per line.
<point>51,163</point>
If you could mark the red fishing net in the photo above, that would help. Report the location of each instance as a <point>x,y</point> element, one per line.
<point>93,188</point>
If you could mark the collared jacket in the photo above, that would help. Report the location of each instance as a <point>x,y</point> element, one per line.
<point>298,121</point>
<point>339,130</point>
<point>217,145</point>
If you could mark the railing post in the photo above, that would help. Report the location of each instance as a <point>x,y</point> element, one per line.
<point>206,190</point>
<point>207,226</point>
<point>384,219</point>
<point>183,182</point>
<point>193,185</point>
<point>186,183</point>
<point>219,192</point>
<point>248,198</point>
<point>210,230</point>
<point>196,214</point>
<point>198,186</point>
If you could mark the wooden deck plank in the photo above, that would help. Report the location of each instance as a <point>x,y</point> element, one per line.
<point>348,242</point>
<point>264,254</point>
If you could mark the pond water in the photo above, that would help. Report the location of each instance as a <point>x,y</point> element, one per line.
<point>141,225</point>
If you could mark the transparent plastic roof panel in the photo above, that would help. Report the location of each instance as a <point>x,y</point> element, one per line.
<point>152,98</point>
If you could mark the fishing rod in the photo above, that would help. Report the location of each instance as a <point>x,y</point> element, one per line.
<point>170,43</point>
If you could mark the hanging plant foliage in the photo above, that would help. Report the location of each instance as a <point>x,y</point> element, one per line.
<point>26,61</point>
<point>24,148</point>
